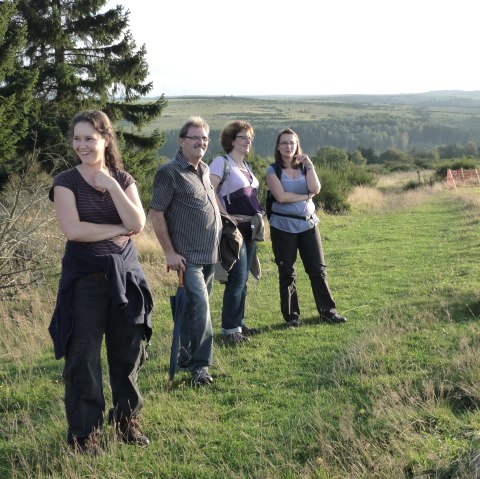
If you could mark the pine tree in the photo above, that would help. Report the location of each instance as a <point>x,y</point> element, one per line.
<point>15,91</point>
<point>87,59</point>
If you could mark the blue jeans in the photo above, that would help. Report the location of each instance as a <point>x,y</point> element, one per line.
<point>233,310</point>
<point>196,334</point>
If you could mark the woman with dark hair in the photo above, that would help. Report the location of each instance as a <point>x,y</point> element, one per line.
<point>293,182</point>
<point>102,288</point>
<point>237,197</point>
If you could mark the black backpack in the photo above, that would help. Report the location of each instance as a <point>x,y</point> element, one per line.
<point>270,198</point>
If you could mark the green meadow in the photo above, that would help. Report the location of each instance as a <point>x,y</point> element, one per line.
<point>394,393</point>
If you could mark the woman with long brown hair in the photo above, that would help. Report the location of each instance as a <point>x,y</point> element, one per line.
<point>102,291</point>
<point>293,181</point>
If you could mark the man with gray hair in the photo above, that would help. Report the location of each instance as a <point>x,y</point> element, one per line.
<point>187,223</point>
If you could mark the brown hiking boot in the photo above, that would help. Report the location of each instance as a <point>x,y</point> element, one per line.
<point>128,431</point>
<point>332,317</point>
<point>89,446</point>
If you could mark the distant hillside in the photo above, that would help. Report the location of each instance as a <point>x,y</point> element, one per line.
<point>408,121</point>
<point>427,99</point>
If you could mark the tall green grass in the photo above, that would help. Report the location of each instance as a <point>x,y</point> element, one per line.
<point>392,394</point>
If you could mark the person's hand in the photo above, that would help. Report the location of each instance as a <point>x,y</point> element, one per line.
<point>103,181</point>
<point>175,262</point>
<point>305,161</point>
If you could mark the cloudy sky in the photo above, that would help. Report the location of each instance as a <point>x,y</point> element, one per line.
<point>307,47</point>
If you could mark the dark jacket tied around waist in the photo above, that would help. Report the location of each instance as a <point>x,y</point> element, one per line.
<point>230,243</point>
<point>127,284</point>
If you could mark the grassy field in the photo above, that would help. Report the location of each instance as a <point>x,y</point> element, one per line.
<point>394,393</point>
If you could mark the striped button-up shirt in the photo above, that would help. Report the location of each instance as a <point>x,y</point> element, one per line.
<point>187,199</point>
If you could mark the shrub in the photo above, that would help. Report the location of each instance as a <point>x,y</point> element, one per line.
<point>440,170</point>
<point>338,184</point>
<point>24,213</point>
<point>401,167</point>
<point>336,188</point>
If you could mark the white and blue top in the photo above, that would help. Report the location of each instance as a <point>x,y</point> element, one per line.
<point>303,208</point>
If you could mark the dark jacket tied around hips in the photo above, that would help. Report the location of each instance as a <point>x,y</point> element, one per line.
<point>128,289</point>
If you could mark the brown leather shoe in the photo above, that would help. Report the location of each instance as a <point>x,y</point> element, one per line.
<point>201,377</point>
<point>90,445</point>
<point>246,331</point>
<point>332,318</point>
<point>128,431</point>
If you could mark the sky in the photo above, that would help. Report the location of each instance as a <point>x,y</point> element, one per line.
<point>307,47</point>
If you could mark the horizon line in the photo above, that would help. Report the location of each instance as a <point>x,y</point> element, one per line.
<point>269,95</point>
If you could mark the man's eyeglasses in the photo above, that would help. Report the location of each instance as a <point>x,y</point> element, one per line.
<point>203,139</point>
<point>245,138</point>
<point>287,143</point>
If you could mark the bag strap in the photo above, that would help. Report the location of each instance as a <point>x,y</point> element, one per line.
<point>278,169</point>
<point>305,218</point>
<point>226,171</point>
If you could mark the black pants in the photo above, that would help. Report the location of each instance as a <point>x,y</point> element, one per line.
<point>309,245</point>
<point>93,317</point>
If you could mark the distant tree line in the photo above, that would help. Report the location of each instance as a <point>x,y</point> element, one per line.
<point>358,153</point>
<point>432,141</point>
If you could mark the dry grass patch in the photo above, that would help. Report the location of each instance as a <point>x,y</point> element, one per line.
<point>148,246</point>
<point>366,198</point>
<point>152,259</point>
<point>401,178</point>
<point>24,323</point>
<point>372,199</point>
<point>471,196</point>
